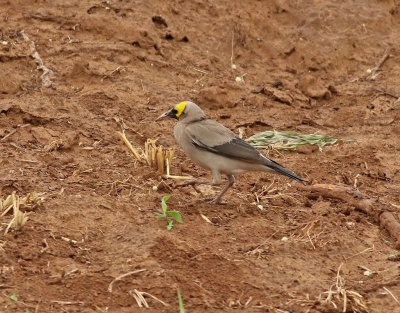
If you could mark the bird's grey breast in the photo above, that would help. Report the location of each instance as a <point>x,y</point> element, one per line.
<point>181,136</point>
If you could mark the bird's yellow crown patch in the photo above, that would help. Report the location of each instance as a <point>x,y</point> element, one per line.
<point>180,107</point>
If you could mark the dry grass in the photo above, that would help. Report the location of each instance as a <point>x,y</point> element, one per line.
<point>338,296</point>
<point>141,301</point>
<point>270,192</point>
<point>136,294</point>
<point>20,206</point>
<point>308,233</point>
<point>110,286</point>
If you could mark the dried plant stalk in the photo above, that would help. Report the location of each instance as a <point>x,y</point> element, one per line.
<point>141,301</point>
<point>31,201</point>
<point>20,218</point>
<point>129,145</point>
<point>5,203</point>
<point>169,154</point>
<point>160,159</point>
<point>27,203</point>
<point>155,156</point>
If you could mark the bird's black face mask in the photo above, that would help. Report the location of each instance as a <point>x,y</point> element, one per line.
<point>175,112</point>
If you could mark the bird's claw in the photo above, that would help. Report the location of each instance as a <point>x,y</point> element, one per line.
<point>197,189</point>
<point>190,183</point>
<point>216,200</point>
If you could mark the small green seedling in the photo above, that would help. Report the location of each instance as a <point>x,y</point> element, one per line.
<point>393,257</point>
<point>181,308</point>
<point>169,216</point>
<point>15,298</point>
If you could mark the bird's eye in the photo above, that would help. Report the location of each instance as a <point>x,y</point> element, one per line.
<point>174,111</point>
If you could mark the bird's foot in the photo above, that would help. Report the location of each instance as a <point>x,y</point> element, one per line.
<point>216,200</point>
<point>192,183</point>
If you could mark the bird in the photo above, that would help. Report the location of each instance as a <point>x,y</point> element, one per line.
<point>215,147</point>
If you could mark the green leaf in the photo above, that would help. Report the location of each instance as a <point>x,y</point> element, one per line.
<point>164,202</point>
<point>175,215</point>
<point>170,224</point>
<point>181,308</point>
<point>162,215</point>
<point>14,297</point>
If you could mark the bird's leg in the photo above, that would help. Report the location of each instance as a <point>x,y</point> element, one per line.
<point>231,180</point>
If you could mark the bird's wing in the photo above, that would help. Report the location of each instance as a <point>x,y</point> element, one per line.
<point>214,137</point>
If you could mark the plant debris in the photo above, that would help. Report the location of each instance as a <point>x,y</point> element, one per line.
<point>20,206</point>
<point>154,156</point>
<point>339,296</point>
<point>26,203</point>
<point>158,157</point>
<point>289,140</point>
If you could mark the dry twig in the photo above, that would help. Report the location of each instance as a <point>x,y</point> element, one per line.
<point>393,296</point>
<point>129,145</point>
<point>387,93</point>
<point>373,72</point>
<point>8,135</point>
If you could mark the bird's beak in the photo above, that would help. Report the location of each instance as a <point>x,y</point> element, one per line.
<point>169,113</point>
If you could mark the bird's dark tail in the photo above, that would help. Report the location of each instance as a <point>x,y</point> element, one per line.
<point>281,170</point>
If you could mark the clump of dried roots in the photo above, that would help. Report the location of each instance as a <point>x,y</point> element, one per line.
<point>351,300</point>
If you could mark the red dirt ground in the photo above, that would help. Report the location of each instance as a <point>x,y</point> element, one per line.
<point>304,65</point>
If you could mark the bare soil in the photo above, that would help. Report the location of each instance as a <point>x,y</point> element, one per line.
<point>307,66</point>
